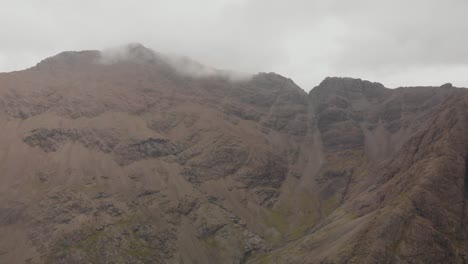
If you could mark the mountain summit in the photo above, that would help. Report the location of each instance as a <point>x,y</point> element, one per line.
<point>130,156</point>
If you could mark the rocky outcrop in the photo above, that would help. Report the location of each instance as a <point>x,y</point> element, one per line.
<point>148,148</point>
<point>266,170</point>
<point>50,140</point>
<point>225,157</point>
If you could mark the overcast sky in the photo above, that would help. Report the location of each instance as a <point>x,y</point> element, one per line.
<point>395,42</point>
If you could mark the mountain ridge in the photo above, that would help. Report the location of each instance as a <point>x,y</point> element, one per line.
<point>136,161</point>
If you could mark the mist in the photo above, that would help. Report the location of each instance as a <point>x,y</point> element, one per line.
<point>184,65</point>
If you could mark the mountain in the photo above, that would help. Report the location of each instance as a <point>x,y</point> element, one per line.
<point>132,156</point>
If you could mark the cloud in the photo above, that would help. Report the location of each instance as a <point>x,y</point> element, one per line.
<point>184,65</point>
<point>395,42</point>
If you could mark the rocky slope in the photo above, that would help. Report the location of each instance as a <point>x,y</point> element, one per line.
<point>138,158</point>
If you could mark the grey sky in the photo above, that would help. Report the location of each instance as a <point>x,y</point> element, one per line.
<point>398,42</point>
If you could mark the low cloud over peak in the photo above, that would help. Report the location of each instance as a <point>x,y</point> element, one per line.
<point>137,52</point>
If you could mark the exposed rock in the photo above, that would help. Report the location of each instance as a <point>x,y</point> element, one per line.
<point>101,195</point>
<point>224,158</point>
<point>110,209</point>
<point>187,205</point>
<point>267,171</point>
<point>147,193</point>
<point>267,197</point>
<point>207,230</point>
<point>49,140</point>
<point>149,148</point>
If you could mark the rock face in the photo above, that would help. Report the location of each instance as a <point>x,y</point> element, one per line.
<point>137,159</point>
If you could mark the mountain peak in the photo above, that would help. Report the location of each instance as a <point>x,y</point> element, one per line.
<point>139,51</point>
<point>348,87</point>
<point>446,85</point>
